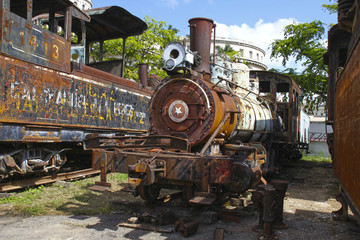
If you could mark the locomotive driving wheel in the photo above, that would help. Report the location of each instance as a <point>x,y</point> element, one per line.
<point>149,193</point>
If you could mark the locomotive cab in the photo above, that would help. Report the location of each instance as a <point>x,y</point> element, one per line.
<point>30,42</point>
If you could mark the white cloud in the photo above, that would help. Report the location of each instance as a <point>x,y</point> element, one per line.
<point>174,3</point>
<point>171,3</point>
<point>262,34</point>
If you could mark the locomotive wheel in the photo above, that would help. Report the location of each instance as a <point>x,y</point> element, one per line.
<point>149,193</point>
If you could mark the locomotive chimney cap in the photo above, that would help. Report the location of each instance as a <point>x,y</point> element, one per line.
<point>200,19</point>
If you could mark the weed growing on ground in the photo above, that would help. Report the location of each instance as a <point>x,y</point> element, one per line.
<point>58,199</point>
<point>319,158</point>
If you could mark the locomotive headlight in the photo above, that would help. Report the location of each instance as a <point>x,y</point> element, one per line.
<point>175,55</point>
<point>170,64</point>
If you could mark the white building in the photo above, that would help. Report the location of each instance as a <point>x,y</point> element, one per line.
<point>83,4</point>
<point>250,53</point>
<point>318,143</point>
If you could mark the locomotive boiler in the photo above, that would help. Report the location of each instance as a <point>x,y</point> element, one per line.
<point>210,135</point>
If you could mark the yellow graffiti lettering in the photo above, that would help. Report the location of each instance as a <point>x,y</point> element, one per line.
<point>17,101</point>
<point>108,115</point>
<point>116,112</point>
<point>103,95</point>
<point>111,94</point>
<point>141,120</point>
<point>100,117</point>
<point>28,105</point>
<point>90,92</point>
<point>85,108</point>
<point>134,116</point>
<point>37,105</point>
<point>92,108</point>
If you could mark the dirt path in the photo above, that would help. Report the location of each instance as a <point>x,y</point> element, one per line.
<point>308,208</point>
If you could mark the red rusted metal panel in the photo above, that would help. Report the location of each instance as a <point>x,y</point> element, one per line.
<point>346,128</point>
<point>32,43</point>
<point>34,95</point>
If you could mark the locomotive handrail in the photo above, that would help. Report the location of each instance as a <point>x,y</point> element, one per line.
<point>206,146</point>
<point>226,80</point>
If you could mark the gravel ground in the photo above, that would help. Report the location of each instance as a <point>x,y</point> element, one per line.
<point>308,208</point>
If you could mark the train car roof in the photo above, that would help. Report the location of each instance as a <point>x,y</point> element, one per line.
<point>19,7</point>
<point>111,23</point>
<point>279,78</point>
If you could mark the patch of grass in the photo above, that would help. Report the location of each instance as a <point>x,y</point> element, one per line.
<point>54,199</point>
<point>319,158</point>
<point>118,177</point>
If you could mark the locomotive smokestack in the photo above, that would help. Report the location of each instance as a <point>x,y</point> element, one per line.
<point>200,41</point>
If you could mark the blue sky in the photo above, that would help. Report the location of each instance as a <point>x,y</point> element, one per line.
<point>257,21</point>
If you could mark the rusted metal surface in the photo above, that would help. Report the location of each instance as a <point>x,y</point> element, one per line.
<point>48,104</point>
<point>200,41</point>
<point>143,74</point>
<point>32,43</point>
<point>41,96</point>
<point>191,108</point>
<point>346,128</point>
<point>258,199</point>
<point>269,214</point>
<point>10,186</point>
<point>222,128</point>
<point>280,188</point>
<point>219,234</point>
<point>343,104</point>
<point>151,168</point>
<point>186,228</point>
<point>148,227</point>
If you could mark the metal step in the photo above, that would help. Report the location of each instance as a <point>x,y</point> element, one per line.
<point>203,198</point>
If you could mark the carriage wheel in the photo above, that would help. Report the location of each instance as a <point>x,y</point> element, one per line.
<point>149,193</point>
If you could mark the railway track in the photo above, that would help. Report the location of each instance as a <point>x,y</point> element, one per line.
<point>15,185</point>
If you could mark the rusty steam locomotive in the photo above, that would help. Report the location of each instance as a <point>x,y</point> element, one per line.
<point>209,135</point>
<point>51,97</point>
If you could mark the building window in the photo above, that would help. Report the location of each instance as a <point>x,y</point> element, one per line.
<point>250,54</point>
<point>257,57</point>
<point>241,52</point>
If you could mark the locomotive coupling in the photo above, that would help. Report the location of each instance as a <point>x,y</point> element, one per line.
<point>146,171</point>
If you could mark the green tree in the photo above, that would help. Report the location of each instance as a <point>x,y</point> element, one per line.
<point>331,8</point>
<point>228,51</point>
<point>304,43</point>
<point>145,48</point>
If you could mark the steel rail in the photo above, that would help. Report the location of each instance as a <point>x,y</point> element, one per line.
<point>18,184</point>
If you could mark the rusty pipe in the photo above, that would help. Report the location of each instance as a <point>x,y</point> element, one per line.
<point>200,41</point>
<point>258,199</point>
<point>143,74</point>
<point>269,213</point>
<point>280,188</point>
